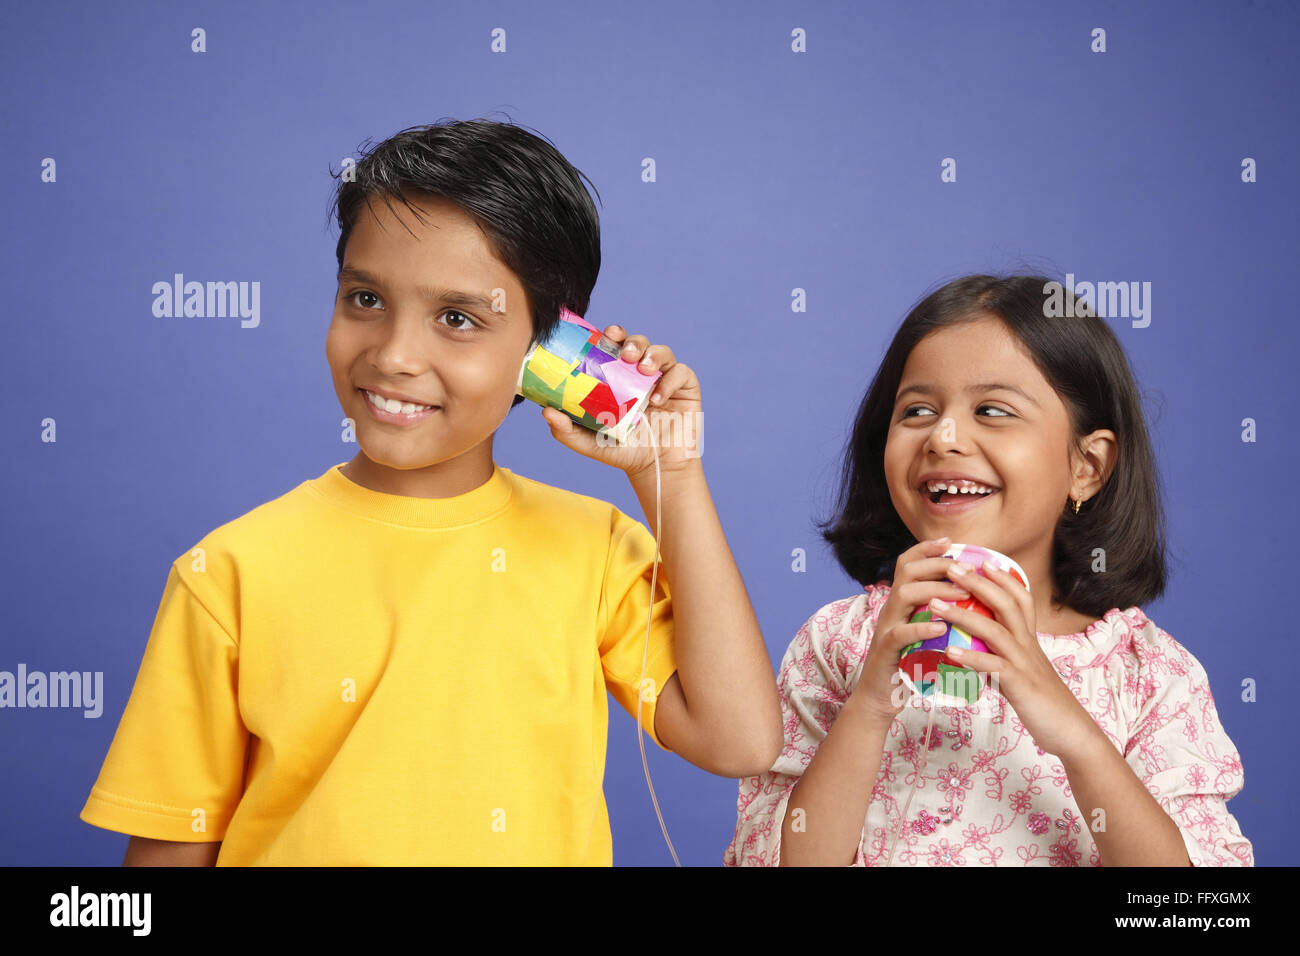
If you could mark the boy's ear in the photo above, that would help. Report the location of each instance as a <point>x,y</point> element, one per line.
<point>531,342</point>
<point>520,398</point>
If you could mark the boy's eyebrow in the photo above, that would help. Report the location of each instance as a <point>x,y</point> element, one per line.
<point>449,296</point>
<point>970,390</point>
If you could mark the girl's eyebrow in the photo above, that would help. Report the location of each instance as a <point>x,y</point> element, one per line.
<point>448,296</point>
<point>970,390</point>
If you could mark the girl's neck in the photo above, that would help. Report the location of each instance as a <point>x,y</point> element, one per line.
<point>1063,620</point>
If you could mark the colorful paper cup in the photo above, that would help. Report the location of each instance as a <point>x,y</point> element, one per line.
<point>578,370</point>
<point>926,667</point>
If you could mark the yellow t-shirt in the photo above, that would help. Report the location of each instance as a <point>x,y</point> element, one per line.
<point>346,677</point>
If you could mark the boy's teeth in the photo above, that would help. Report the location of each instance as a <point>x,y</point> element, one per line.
<point>394,406</point>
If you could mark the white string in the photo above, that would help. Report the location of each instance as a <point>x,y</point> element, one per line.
<point>925,751</point>
<point>654,578</point>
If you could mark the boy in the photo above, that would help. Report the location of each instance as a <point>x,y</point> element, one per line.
<point>405,660</point>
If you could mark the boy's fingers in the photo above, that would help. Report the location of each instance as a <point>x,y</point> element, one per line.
<point>658,357</point>
<point>637,348</point>
<point>557,420</point>
<point>633,347</point>
<point>568,432</point>
<point>672,380</point>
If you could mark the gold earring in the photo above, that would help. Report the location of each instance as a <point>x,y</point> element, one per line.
<point>1077,503</point>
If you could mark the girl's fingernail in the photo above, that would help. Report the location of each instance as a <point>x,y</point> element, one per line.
<point>955,652</point>
<point>938,628</point>
<point>936,602</point>
<point>657,398</point>
<point>961,567</point>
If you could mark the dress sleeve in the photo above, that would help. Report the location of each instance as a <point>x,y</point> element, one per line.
<point>625,601</point>
<point>1179,750</point>
<point>813,684</point>
<point>175,769</point>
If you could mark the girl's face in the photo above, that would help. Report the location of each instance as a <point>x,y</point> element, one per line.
<point>972,403</point>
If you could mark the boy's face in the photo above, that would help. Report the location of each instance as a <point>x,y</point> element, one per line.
<point>403,328</point>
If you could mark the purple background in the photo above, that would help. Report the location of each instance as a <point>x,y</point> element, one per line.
<point>775,171</point>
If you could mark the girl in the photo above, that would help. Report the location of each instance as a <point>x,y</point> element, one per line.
<point>1096,741</point>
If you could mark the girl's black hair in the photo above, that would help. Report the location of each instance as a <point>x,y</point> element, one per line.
<point>525,195</point>
<point>1087,367</point>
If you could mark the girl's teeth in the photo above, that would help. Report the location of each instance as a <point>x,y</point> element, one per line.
<point>954,489</point>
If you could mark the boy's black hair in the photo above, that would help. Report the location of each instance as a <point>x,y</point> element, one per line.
<point>525,195</point>
<point>1087,367</point>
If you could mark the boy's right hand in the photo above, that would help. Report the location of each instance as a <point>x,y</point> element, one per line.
<point>920,574</point>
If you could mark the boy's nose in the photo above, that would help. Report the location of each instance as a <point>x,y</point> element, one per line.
<point>405,346</point>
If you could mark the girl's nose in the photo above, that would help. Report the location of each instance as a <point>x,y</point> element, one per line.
<point>944,434</point>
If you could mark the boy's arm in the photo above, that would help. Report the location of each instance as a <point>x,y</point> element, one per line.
<point>142,851</point>
<point>720,710</point>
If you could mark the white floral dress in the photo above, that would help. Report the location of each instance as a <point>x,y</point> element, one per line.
<point>987,795</point>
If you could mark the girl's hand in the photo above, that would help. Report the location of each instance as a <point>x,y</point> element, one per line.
<point>673,413</point>
<point>919,576</point>
<point>1026,678</point>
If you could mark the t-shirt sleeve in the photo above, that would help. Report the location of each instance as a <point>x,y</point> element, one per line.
<point>1180,751</point>
<point>625,601</point>
<point>175,769</point>
<point>814,685</point>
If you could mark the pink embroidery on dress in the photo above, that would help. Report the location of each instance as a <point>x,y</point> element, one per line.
<point>955,780</point>
<point>945,854</point>
<point>960,739</point>
<point>1028,852</point>
<point>1065,852</point>
<point>925,823</point>
<point>1068,821</point>
<point>1144,691</point>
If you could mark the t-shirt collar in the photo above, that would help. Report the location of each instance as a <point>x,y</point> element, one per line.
<point>471,507</point>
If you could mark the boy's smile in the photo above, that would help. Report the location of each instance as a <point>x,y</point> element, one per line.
<point>395,408</point>
<point>428,333</point>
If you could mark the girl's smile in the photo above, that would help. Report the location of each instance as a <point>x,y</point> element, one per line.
<point>948,504</point>
<point>949,493</point>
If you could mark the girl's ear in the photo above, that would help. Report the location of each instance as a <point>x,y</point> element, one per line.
<point>1095,459</point>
